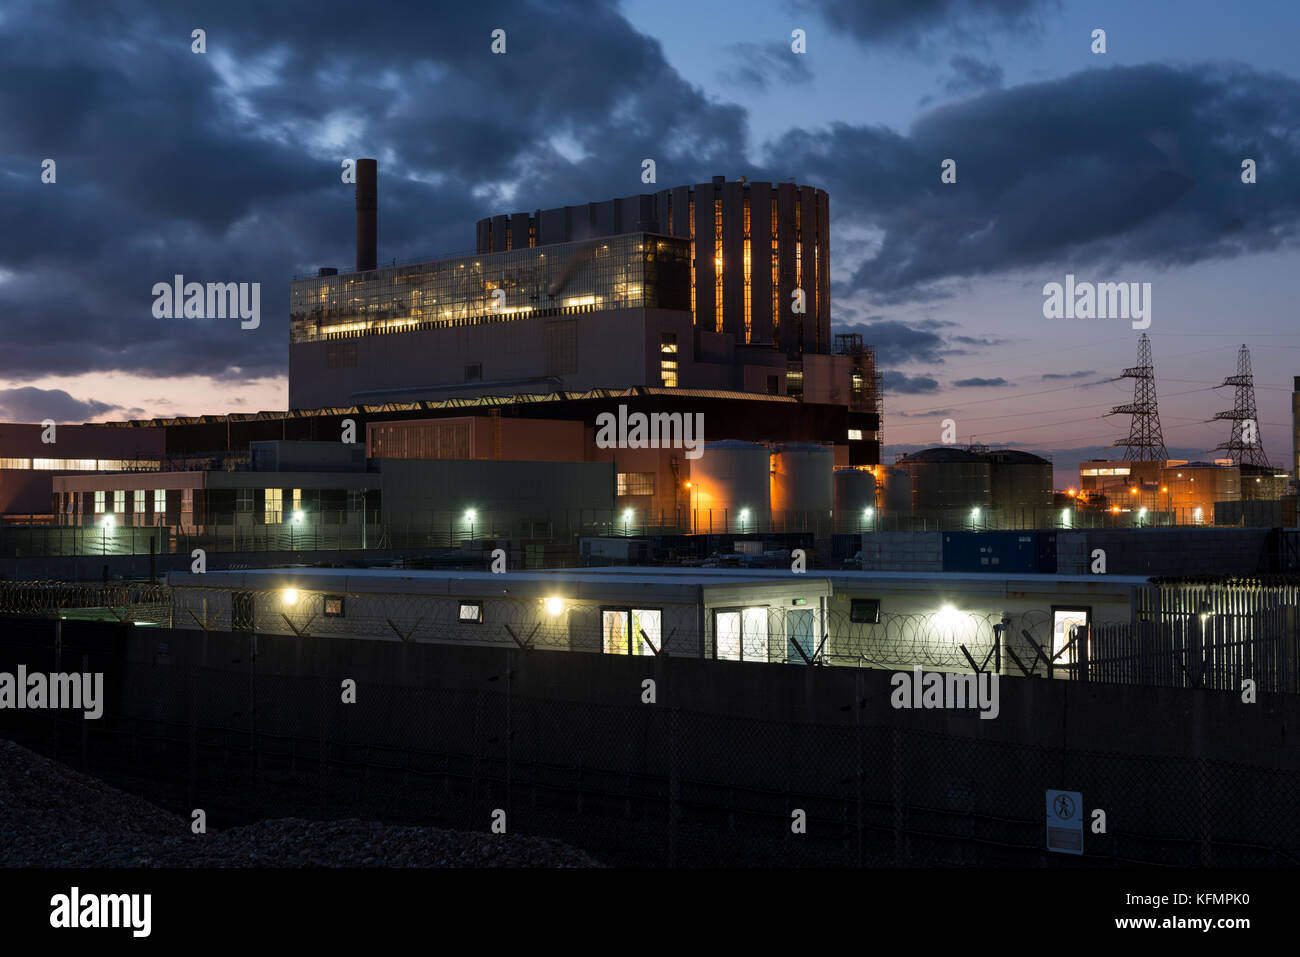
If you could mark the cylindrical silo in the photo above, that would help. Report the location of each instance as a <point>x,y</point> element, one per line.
<point>855,493</point>
<point>802,479</point>
<point>1020,482</point>
<point>730,488</point>
<point>947,479</point>
<point>898,492</point>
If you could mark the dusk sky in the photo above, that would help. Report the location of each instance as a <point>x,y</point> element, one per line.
<point>1117,167</point>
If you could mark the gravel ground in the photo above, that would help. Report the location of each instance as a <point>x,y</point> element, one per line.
<point>53,816</point>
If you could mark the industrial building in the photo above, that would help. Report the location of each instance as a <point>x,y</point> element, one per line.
<point>29,461</point>
<point>1181,492</point>
<point>778,234</point>
<point>329,494</point>
<point>735,615</point>
<point>609,295</point>
<point>673,613</point>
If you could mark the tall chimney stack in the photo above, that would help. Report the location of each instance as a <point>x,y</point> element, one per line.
<point>367,214</point>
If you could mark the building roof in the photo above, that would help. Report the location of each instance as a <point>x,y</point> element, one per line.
<point>663,583</point>
<point>941,453</point>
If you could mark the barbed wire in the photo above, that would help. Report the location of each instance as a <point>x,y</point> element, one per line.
<point>1200,651</point>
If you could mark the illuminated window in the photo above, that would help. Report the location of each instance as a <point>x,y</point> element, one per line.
<point>632,631</point>
<point>636,483</point>
<point>333,606</point>
<point>99,502</point>
<point>119,501</point>
<point>717,265</point>
<point>855,435</point>
<point>691,211</point>
<point>471,612</point>
<point>741,635</point>
<point>137,501</point>
<point>794,382</point>
<point>15,463</point>
<point>749,305</point>
<point>159,501</point>
<point>668,364</point>
<point>776,278</point>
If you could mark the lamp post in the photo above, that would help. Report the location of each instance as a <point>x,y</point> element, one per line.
<point>106,524</point>
<point>296,520</point>
<point>469,517</point>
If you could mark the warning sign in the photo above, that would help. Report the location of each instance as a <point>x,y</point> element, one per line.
<point>1065,822</point>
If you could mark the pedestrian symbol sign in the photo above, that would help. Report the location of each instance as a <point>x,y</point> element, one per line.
<point>1065,822</point>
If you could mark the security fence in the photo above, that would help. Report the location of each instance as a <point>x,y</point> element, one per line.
<point>1229,635</point>
<point>326,529</point>
<point>641,785</point>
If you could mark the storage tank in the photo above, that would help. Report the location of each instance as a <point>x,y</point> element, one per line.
<point>855,492</point>
<point>730,488</point>
<point>1259,483</point>
<point>1019,481</point>
<point>802,478</point>
<point>898,492</point>
<point>947,479</point>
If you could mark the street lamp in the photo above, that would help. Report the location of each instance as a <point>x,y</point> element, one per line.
<point>106,524</point>
<point>469,517</point>
<point>744,517</point>
<point>627,521</point>
<point>295,520</point>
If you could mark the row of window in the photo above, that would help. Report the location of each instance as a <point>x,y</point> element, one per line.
<point>741,634</point>
<point>81,465</point>
<point>276,504</point>
<point>139,497</point>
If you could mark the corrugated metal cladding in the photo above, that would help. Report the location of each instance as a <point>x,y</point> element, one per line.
<point>787,226</point>
<point>421,440</point>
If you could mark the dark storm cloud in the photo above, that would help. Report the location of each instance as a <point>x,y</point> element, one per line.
<point>902,384</point>
<point>224,166</point>
<point>1127,169</point>
<point>28,404</point>
<point>905,22</point>
<point>969,74</point>
<point>896,342</point>
<point>758,64</point>
<point>978,383</point>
